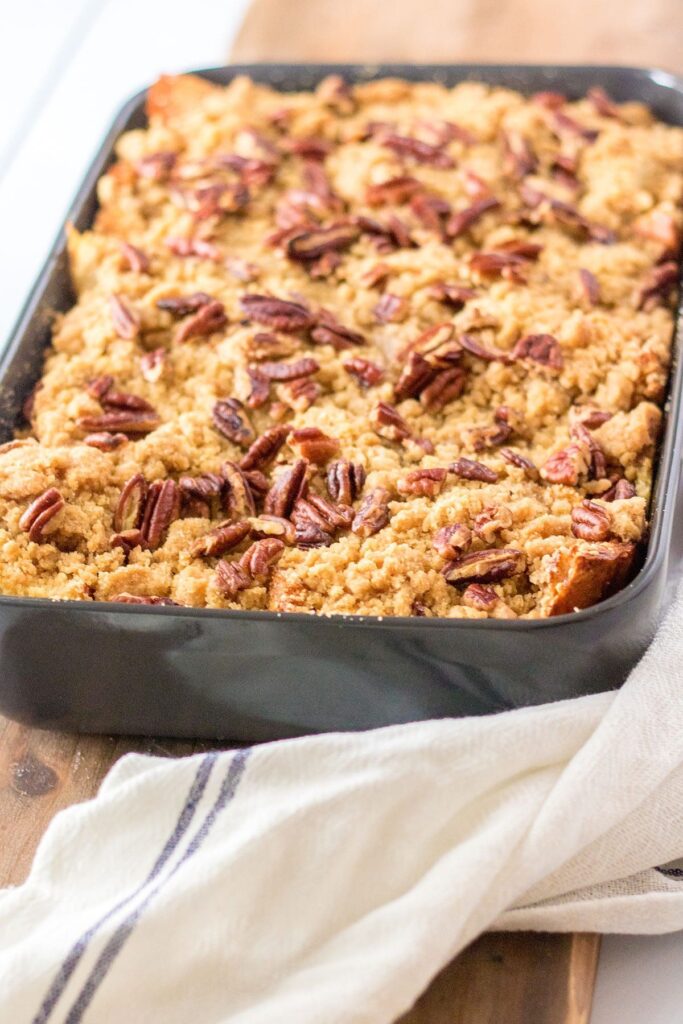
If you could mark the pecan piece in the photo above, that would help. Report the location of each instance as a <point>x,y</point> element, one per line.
<point>367,373</point>
<point>491,521</point>
<point>124,400</point>
<point>277,313</point>
<point>183,305</point>
<point>455,295</point>
<point>131,504</point>
<point>389,423</point>
<point>345,481</point>
<point>207,320</point>
<point>337,516</point>
<point>390,308</point>
<point>462,220</point>
<point>230,420</point>
<point>568,465</point>
<point>476,348</point>
<point>289,486</point>
<point>310,245</point>
<point>421,152</point>
<point>621,490</point>
<point>478,596</point>
<point>257,481</point>
<point>222,538</point>
<point>260,388</point>
<point>264,345</point>
<point>590,521</point>
<point>264,449</point>
<point>289,371</point>
<point>562,124</point>
<point>598,462</point>
<point>105,441</point>
<point>488,566</point>
<point>469,469</point>
<point>451,541</point>
<point>582,578</point>
<point>259,559</point>
<point>298,394</point>
<point>156,166</point>
<point>162,507</point>
<point>373,513</point>
<point>273,526</point>
<point>200,495</point>
<point>127,540</point>
<point>541,348</point>
<point>152,365</point>
<point>314,445</point>
<point>98,387</point>
<point>432,212</point>
<point>499,264</point>
<point>137,260</point>
<point>422,482</point>
<point>39,513</point>
<point>519,158</point>
<point>414,378</point>
<point>589,287</point>
<point>393,192</point>
<point>657,285</point>
<point>521,461</point>
<point>329,332</point>
<point>239,498</point>
<point>125,319</point>
<point>132,422</point>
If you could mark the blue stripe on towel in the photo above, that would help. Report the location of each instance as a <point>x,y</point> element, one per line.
<point>127,926</point>
<point>80,946</point>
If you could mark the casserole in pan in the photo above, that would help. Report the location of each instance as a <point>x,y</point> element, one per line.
<point>255,674</point>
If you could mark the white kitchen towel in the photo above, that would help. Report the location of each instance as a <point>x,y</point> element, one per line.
<point>328,879</point>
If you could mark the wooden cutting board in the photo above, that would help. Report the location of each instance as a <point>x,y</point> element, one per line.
<point>502,978</point>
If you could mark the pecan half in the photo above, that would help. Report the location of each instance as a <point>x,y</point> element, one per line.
<point>162,507</point>
<point>476,348</point>
<point>540,348</point>
<point>373,513</point>
<point>273,526</point>
<point>289,371</point>
<point>137,260</point>
<point>345,481</point>
<point>201,495</point>
<point>421,152</point>
<point>105,441</point>
<point>337,516</point>
<point>222,538</point>
<point>152,365</point>
<point>264,449</point>
<point>310,245</point>
<point>259,559</point>
<point>230,420</point>
<point>260,388</point>
<point>393,192</point>
<point>437,345</point>
<point>455,295</point>
<point>446,387</point>
<point>299,394</point>
<point>329,332</point>
<point>289,485</point>
<point>125,319</point>
<point>266,346</point>
<point>462,220</point>
<point>376,275</point>
<point>499,264</point>
<point>132,422</point>
<point>390,308</point>
<point>277,313</point>
<point>231,578</point>
<point>183,305</point>
<point>422,482</point>
<point>312,529</point>
<point>98,386</point>
<point>580,434</point>
<point>39,513</point>
<point>314,445</point>
<point>590,521</point>
<point>239,498</point>
<point>478,596</point>
<point>124,400</point>
<point>451,541</point>
<point>488,566</point>
<point>367,373</point>
<point>469,469</point>
<point>589,287</point>
<point>414,378</point>
<point>207,320</point>
<point>521,462</point>
<point>131,504</point>
<point>657,285</point>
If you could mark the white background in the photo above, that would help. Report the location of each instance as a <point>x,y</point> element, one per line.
<point>66,66</point>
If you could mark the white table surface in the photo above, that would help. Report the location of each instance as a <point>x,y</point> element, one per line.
<point>65,68</point>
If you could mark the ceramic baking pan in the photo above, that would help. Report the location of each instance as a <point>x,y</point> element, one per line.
<point>241,675</point>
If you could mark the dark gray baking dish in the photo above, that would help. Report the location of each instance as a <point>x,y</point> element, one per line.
<point>237,675</point>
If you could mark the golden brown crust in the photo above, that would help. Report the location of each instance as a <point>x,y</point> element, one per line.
<point>466,321</point>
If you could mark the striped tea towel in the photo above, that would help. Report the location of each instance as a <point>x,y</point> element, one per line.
<point>328,879</point>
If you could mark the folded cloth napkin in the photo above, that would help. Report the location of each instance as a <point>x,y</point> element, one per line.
<point>330,878</point>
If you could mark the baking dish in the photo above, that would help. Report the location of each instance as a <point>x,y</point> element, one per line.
<point>241,675</point>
